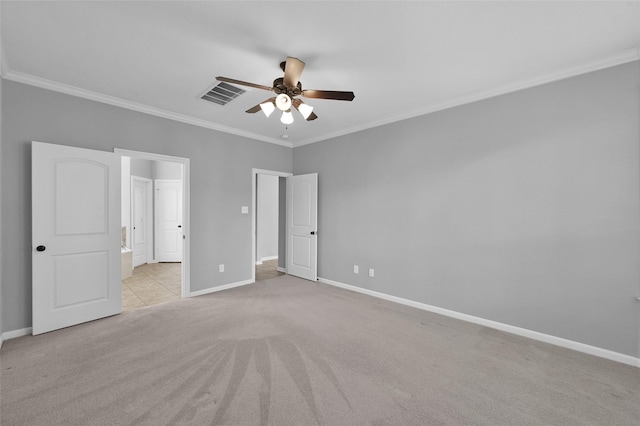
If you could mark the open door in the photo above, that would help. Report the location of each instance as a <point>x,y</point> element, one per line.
<point>76,236</point>
<point>302,224</point>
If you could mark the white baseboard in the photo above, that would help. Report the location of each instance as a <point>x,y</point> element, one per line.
<point>547,338</point>
<point>16,333</point>
<point>264,259</point>
<point>220,288</point>
<point>280,269</point>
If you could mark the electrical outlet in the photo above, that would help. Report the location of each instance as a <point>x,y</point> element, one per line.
<point>371,272</point>
<point>221,267</point>
<point>355,269</point>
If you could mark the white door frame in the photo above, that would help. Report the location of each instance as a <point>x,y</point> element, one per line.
<point>148,217</point>
<point>186,228</point>
<point>254,177</point>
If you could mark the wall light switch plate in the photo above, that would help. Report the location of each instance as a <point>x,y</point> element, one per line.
<point>355,269</point>
<point>371,273</point>
<point>245,210</point>
<point>221,267</point>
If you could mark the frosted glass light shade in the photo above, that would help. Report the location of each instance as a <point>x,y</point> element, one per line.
<point>287,117</point>
<point>267,108</point>
<point>283,102</point>
<point>305,110</point>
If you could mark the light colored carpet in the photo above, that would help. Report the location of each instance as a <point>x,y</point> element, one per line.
<point>291,352</point>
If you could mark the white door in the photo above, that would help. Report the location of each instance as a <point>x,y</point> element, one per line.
<point>141,219</point>
<point>75,236</point>
<point>168,211</point>
<point>302,223</point>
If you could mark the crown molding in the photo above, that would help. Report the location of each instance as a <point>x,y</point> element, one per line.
<point>611,61</point>
<point>467,98</point>
<point>134,106</point>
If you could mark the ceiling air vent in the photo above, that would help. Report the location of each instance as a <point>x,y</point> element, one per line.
<point>222,94</point>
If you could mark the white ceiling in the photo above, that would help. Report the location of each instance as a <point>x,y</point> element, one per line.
<point>401,59</point>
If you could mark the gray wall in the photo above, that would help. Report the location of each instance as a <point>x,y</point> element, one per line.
<point>220,182</point>
<point>142,168</point>
<point>153,169</point>
<point>167,170</point>
<point>522,209</point>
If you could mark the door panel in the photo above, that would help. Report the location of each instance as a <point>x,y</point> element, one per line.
<point>81,204</point>
<point>301,251</point>
<point>302,204</point>
<point>302,214</point>
<point>170,241</point>
<point>69,285</point>
<point>168,220</point>
<point>76,236</point>
<point>141,206</point>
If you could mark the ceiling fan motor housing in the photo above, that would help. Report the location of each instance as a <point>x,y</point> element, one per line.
<point>280,87</point>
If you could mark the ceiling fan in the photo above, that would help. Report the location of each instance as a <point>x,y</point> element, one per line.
<point>286,89</point>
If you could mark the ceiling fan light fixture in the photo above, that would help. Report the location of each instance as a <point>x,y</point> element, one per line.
<point>283,102</point>
<point>267,108</point>
<point>287,90</point>
<point>287,117</point>
<point>305,110</point>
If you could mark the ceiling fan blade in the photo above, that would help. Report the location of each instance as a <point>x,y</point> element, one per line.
<point>292,71</point>
<point>253,109</point>
<point>257,108</point>
<point>296,103</point>
<point>328,94</point>
<point>243,83</point>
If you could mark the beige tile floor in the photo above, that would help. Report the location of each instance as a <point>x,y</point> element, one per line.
<point>154,283</point>
<point>150,284</point>
<point>267,270</point>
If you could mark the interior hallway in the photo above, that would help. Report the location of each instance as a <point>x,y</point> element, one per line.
<point>150,284</point>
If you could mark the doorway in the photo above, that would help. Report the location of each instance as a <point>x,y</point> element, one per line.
<point>268,223</point>
<point>154,196</point>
